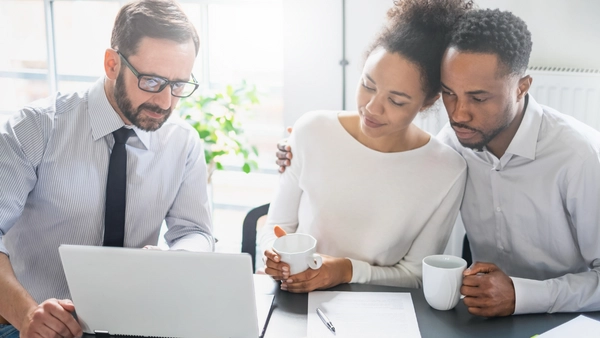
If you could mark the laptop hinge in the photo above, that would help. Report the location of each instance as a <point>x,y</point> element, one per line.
<point>101,334</point>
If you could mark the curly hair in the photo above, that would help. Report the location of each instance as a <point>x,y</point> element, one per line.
<point>495,32</point>
<point>159,19</point>
<point>419,30</point>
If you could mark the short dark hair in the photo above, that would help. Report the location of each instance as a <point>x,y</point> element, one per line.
<point>492,31</point>
<point>159,19</point>
<point>419,30</point>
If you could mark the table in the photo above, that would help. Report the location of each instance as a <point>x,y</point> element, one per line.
<point>288,317</point>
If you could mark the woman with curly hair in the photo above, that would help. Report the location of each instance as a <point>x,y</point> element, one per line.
<point>378,193</point>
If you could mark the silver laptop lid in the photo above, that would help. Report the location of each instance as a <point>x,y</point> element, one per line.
<point>126,291</point>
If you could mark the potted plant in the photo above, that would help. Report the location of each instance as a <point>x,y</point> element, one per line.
<point>216,117</point>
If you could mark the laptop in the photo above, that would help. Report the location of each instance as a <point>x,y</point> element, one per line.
<point>125,291</point>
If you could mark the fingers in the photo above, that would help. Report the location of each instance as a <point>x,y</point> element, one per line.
<point>52,318</point>
<point>283,147</point>
<point>490,294</point>
<point>480,267</point>
<point>283,163</point>
<point>305,281</point>
<point>283,155</point>
<point>272,255</point>
<point>279,232</point>
<point>274,267</point>
<point>67,304</point>
<point>152,247</point>
<point>66,318</point>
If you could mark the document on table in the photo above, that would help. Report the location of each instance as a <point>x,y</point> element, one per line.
<point>580,327</point>
<point>362,314</point>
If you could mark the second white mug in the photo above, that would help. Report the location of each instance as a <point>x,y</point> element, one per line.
<point>442,279</point>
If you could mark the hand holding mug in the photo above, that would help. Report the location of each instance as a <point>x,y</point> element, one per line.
<point>274,267</point>
<point>488,291</point>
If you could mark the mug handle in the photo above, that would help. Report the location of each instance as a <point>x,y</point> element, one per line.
<point>315,261</point>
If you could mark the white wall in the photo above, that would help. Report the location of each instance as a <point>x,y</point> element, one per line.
<point>565,33</point>
<point>364,20</point>
<point>312,41</point>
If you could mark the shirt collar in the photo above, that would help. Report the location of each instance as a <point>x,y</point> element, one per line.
<point>103,117</point>
<point>524,142</point>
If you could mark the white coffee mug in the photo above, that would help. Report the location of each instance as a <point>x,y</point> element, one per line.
<point>442,279</point>
<point>298,251</point>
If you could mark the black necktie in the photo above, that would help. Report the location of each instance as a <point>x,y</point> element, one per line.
<point>114,214</point>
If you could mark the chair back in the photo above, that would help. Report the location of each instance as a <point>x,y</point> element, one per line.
<point>249,231</point>
<point>466,251</point>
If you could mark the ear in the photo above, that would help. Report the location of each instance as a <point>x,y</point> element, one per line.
<point>112,63</point>
<point>429,102</point>
<point>523,88</point>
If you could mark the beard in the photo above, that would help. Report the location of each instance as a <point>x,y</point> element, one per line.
<point>135,116</point>
<point>486,137</point>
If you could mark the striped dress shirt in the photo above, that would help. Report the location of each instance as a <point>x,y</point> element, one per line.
<point>54,159</point>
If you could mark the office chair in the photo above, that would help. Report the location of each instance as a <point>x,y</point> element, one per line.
<point>249,231</point>
<point>466,251</point>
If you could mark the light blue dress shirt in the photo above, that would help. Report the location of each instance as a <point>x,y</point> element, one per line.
<point>54,159</point>
<point>535,211</point>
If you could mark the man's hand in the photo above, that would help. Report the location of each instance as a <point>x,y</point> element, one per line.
<point>284,153</point>
<point>51,319</point>
<point>334,271</point>
<point>488,291</point>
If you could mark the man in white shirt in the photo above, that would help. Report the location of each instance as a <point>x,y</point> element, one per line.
<point>55,172</point>
<point>530,207</point>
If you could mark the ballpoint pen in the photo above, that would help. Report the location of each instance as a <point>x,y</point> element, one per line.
<point>325,320</point>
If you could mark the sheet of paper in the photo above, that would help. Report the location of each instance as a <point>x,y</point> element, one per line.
<point>363,314</point>
<point>580,327</point>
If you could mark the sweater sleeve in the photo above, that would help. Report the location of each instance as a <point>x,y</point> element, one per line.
<point>283,210</point>
<point>430,241</point>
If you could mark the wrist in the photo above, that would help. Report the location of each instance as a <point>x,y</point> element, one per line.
<point>346,270</point>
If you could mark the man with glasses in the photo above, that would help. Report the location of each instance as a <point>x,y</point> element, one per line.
<point>101,167</point>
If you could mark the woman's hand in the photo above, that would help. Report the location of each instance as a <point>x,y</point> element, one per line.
<point>334,271</point>
<point>273,265</point>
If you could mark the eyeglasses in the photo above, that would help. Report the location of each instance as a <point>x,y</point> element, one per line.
<point>155,84</point>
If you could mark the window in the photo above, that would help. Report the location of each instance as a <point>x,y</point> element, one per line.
<point>240,40</point>
<point>23,61</point>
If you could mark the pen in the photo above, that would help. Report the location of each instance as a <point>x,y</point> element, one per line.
<point>325,320</point>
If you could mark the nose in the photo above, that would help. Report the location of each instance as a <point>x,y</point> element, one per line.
<point>375,106</point>
<point>164,99</point>
<point>458,110</point>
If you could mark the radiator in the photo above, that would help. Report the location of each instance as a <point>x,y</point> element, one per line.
<point>574,92</point>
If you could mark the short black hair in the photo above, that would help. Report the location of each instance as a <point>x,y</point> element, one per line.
<point>419,30</point>
<point>492,31</point>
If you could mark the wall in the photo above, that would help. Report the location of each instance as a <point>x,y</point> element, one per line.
<point>312,40</point>
<point>565,33</point>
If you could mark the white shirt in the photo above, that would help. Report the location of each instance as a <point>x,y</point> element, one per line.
<point>535,211</point>
<point>383,211</point>
<point>53,169</point>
